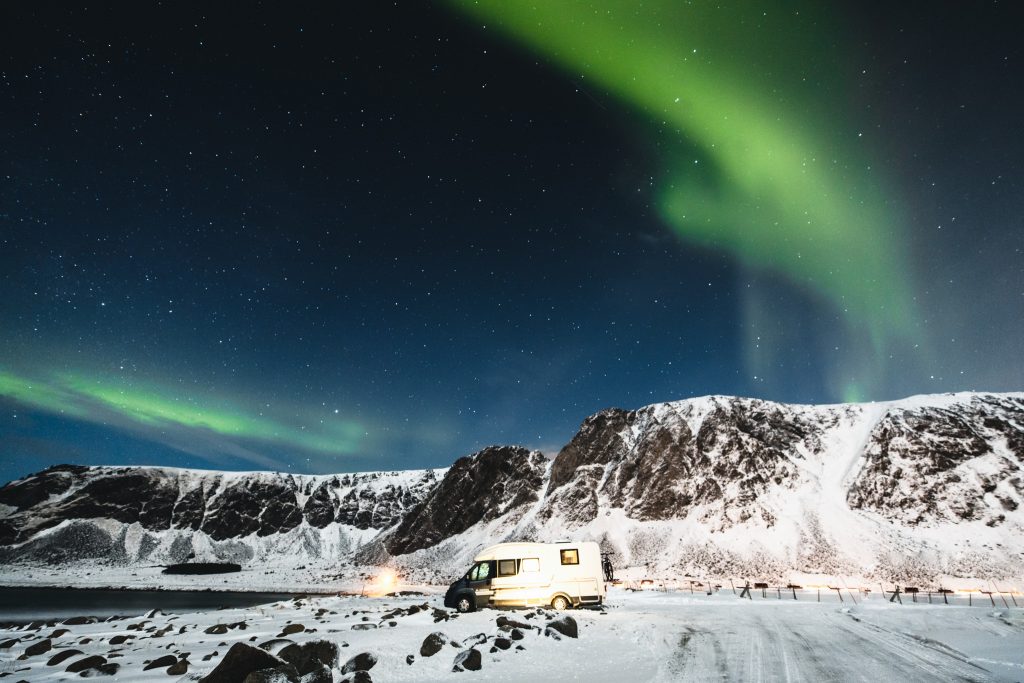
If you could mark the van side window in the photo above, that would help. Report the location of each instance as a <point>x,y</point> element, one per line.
<point>570,556</point>
<point>506,567</point>
<point>530,564</point>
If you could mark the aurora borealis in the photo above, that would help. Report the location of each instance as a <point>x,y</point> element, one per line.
<point>325,239</point>
<point>752,159</point>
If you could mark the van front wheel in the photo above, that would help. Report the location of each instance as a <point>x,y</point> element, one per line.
<point>464,604</point>
<point>560,603</point>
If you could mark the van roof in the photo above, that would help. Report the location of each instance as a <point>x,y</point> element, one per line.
<point>509,550</point>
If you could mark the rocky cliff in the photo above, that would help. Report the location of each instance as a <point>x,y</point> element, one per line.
<point>163,514</point>
<point>919,488</point>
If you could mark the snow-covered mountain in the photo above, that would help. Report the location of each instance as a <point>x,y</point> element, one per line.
<point>719,486</point>
<point>162,515</point>
<point>910,490</point>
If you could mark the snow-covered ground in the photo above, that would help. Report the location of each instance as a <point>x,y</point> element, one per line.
<point>640,636</point>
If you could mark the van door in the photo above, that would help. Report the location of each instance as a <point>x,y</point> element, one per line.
<point>480,581</point>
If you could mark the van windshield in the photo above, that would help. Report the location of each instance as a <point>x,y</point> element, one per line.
<point>480,571</point>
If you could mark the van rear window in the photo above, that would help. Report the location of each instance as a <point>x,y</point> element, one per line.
<point>570,556</point>
<point>506,567</point>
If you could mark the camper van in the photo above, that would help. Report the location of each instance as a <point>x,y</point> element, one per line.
<point>561,575</point>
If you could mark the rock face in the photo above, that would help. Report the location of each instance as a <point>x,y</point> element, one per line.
<point>176,507</point>
<point>662,461</point>
<point>497,481</point>
<point>931,464</point>
<point>713,486</point>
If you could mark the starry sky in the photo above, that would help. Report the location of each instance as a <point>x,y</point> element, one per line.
<point>316,237</point>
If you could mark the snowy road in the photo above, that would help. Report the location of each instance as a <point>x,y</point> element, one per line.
<point>775,644</point>
<point>641,636</point>
<point>722,638</point>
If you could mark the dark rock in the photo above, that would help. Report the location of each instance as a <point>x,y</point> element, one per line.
<point>320,674</point>
<point>467,660</point>
<point>292,628</point>
<point>478,639</point>
<point>62,656</point>
<point>59,632</point>
<point>502,643</point>
<point>120,640</point>
<point>243,659</point>
<point>39,648</point>
<point>363,627</point>
<point>409,659</point>
<point>364,661</point>
<point>565,625</point>
<point>275,645</point>
<point>432,644</point>
<point>89,662</point>
<point>179,668</point>
<point>8,644</point>
<point>311,655</point>
<point>217,629</point>
<point>358,677</point>
<point>33,490</point>
<point>476,488</point>
<point>440,615</point>
<point>160,662</point>
<point>515,634</point>
<point>505,623</point>
<point>270,676</point>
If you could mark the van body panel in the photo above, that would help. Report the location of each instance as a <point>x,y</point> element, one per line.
<point>529,574</point>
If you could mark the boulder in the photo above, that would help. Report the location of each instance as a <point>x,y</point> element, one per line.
<point>505,624</point>
<point>161,662</point>
<point>565,625</point>
<point>92,663</point>
<point>321,674</point>
<point>467,660</point>
<point>478,639</point>
<point>432,644</point>
<point>363,661</point>
<point>243,659</point>
<point>278,675</point>
<point>179,668</point>
<point>502,643</point>
<point>275,645</point>
<point>62,656</point>
<point>311,655</point>
<point>39,648</point>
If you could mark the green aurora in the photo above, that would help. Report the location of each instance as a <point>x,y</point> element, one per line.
<point>102,400</point>
<point>747,105</point>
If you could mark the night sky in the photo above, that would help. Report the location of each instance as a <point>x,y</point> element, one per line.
<point>334,237</point>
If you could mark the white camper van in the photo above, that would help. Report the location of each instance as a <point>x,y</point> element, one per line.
<point>561,575</point>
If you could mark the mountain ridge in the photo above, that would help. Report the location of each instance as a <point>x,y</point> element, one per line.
<point>925,486</point>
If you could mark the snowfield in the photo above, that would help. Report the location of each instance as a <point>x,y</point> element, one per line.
<point>639,636</point>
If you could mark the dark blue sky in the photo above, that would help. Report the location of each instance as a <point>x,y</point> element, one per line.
<point>324,239</point>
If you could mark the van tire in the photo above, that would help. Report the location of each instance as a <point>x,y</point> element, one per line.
<point>560,602</point>
<point>464,604</point>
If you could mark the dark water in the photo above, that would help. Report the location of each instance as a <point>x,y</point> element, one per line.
<point>18,605</point>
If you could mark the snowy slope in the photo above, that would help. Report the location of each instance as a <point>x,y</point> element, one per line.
<point>154,515</point>
<point>913,491</point>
